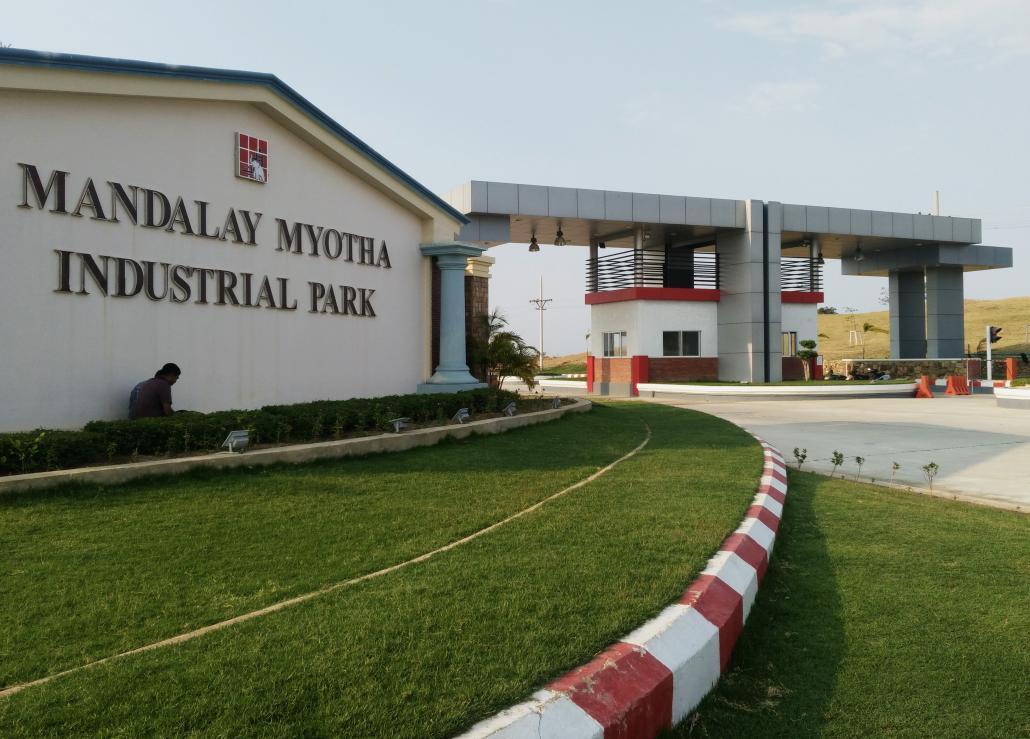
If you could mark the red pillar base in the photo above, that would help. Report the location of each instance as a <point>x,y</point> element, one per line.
<point>637,373</point>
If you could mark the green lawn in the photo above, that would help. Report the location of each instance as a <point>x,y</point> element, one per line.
<point>882,614</point>
<point>422,652</point>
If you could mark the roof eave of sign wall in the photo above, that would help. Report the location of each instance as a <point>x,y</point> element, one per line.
<point>94,64</point>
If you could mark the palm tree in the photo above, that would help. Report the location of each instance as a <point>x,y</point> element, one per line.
<point>503,354</point>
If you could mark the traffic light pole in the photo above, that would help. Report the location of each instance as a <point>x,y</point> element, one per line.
<point>990,364</point>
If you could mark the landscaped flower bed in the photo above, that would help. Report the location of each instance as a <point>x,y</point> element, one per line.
<point>103,442</point>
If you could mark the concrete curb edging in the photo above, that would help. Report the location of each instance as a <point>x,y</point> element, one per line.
<point>293,454</point>
<point>1012,397</point>
<point>939,492</point>
<point>657,674</point>
<point>559,384</point>
<point>859,389</point>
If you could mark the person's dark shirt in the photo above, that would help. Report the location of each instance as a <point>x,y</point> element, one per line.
<point>152,398</point>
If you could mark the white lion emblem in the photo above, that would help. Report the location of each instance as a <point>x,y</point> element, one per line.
<point>256,170</point>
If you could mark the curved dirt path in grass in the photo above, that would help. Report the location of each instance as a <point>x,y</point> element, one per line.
<point>190,635</point>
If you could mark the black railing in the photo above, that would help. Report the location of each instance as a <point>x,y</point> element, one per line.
<point>800,274</point>
<point>642,268</point>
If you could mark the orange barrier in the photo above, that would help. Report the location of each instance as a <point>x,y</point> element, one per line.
<point>957,385</point>
<point>925,387</point>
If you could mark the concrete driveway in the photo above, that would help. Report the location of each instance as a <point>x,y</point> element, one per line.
<point>983,451</point>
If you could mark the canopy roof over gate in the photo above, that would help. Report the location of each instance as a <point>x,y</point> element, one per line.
<point>502,212</point>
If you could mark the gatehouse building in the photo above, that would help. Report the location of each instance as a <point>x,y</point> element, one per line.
<point>695,288</point>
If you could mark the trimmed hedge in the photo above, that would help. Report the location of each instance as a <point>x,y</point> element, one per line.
<point>103,441</point>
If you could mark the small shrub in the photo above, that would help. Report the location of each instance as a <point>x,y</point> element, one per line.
<point>930,472</point>
<point>48,449</point>
<point>74,449</point>
<point>838,460</point>
<point>800,455</point>
<point>26,450</point>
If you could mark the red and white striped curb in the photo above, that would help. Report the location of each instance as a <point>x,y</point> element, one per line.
<point>656,675</point>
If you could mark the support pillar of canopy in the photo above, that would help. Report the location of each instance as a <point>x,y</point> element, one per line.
<point>945,313</point>
<point>907,314</point>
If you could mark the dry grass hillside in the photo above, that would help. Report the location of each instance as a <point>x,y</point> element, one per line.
<point>550,361</point>
<point>1012,314</point>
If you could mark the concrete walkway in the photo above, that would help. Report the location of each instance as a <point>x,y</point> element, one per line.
<point>983,451</point>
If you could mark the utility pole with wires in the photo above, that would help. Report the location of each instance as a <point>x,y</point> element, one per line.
<point>541,305</point>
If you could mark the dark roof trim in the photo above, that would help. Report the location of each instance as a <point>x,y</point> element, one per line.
<point>27,57</point>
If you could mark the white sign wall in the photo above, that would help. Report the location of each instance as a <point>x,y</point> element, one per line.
<point>340,314</point>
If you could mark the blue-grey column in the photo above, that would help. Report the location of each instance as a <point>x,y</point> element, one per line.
<point>907,314</point>
<point>945,313</point>
<point>452,374</point>
<point>743,303</point>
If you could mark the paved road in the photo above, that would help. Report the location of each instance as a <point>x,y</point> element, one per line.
<point>983,451</point>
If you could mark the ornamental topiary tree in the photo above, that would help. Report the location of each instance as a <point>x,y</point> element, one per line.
<point>806,354</point>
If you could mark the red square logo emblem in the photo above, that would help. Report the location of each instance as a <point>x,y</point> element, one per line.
<point>252,159</point>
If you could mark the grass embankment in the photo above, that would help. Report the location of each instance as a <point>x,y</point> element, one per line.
<point>882,614</point>
<point>1012,314</point>
<point>566,368</point>
<point>569,364</point>
<point>424,651</point>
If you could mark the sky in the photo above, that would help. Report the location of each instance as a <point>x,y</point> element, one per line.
<point>851,103</point>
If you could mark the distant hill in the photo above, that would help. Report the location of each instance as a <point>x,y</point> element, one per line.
<point>550,361</point>
<point>567,364</point>
<point>1012,314</point>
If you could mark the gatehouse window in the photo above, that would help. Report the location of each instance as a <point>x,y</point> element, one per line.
<point>790,344</point>
<point>614,343</point>
<point>681,343</point>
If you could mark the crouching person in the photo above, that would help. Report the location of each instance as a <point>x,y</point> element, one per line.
<point>153,398</point>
